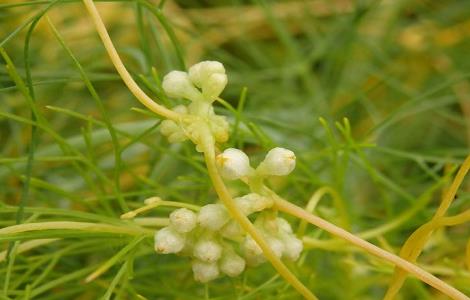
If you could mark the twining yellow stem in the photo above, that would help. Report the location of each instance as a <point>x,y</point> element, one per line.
<point>126,77</point>
<point>430,279</point>
<point>417,240</point>
<point>226,198</point>
<point>155,202</point>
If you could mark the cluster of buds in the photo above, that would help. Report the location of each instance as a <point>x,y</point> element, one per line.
<point>216,243</point>
<point>235,164</point>
<point>202,85</point>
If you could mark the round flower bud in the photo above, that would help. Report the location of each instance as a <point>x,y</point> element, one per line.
<point>283,225</point>
<point>232,264</point>
<point>200,72</point>
<point>207,250</point>
<point>251,247</point>
<point>276,246</point>
<point>252,203</point>
<point>177,137</point>
<point>213,216</point>
<point>231,229</point>
<point>233,164</point>
<point>176,84</point>
<point>204,271</point>
<point>278,162</point>
<point>168,127</point>
<point>254,260</point>
<point>181,109</point>
<point>292,247</point>
<point>214,85</point>
<point>183,220</point>
<point>168,240</point>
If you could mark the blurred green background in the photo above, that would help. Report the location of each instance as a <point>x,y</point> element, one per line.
<point>397,70</point>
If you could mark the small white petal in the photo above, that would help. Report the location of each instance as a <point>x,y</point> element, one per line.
<point>176,84</point>
<point>183,220</point>
<point>278,162</point>
<point>213,216</point>
<point>232,264</point>
<point>207,250</point>
<point>204,271</point>
<point>233,164</point>
<point>168,240</point>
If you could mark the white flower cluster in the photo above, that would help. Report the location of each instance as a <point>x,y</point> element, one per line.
<point>235,164</point>
<point>217,244</point>
<point>202,84</point>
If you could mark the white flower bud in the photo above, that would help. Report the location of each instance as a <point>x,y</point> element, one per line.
<point>200,72</point>
<point>181,109</point>
<point>278,162</point>
<point>252,203</point>
<point>220,128</point>
<point>292,247</point>
<point>233,164</point>
<point>183,220</point>
<point>254,260</point>
<point>207,250</point>
<point>276,245</point>
<point>176,84</point>
<point>213,216</point>
<point>251,247</point>
<point>177,137</point>
<point>231,229</point>
<point>204,271</point>
<point>232,264</point>
<point>168,127</point>
<point>168,240</point>
<point>283,225</point>
<point>210,77</point>
<point>213,87</point>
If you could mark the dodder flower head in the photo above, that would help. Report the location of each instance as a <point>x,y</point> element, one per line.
<point>168,240</point>
<point>204,271</point>
<point>177,84</point>
<point>213,216</point>
<point>183,220</point>
<point>233,163</point>
<point>278,162</point>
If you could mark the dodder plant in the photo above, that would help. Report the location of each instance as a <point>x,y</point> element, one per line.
<point>199,123</point>
<point>220,237</point>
